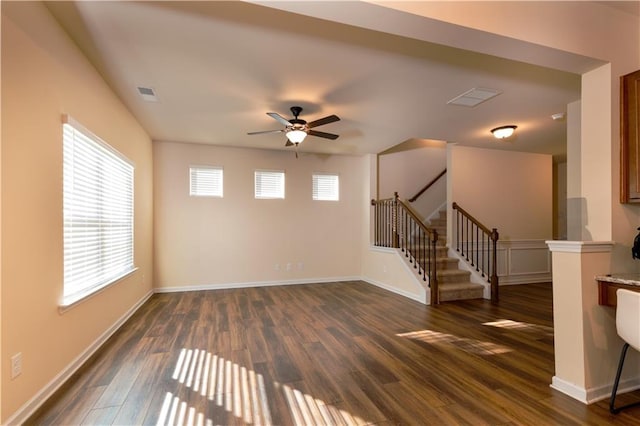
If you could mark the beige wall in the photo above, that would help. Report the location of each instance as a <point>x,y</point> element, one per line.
<point>560,201</point>
<point>1,298</point>
<point>575,203</point>
<point>407,172</point>
<point>388,269</point>
<point>592,30</point>
<point>43,77</point>
<point>596,157</point>
<point>510,191</point>
<point>238,240</point>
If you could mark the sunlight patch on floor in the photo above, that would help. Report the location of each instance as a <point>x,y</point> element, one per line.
<point>239,391</point>
<point>474,346</point>
<point>177,412</point>
<point>226,384</point>
<point>521,326</point>
<point>307,410</point>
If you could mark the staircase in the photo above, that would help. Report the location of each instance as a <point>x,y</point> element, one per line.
<point>398,226</point>
<point>453,282</point>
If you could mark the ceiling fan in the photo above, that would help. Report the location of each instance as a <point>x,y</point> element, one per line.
<point>297,129</point>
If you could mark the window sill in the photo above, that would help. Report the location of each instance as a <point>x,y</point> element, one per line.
<point>76,299</point>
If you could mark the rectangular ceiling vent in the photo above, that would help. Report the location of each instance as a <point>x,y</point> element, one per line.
<point>473,97</point>
<point>148,94</point>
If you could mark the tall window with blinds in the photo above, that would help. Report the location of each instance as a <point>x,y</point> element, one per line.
<point>205,181</point>
<point>269,184</point>
<point>326,187</point>
<point>98,213</point>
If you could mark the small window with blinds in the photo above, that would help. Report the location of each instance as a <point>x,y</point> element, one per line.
<point>269,184</point>
<point>205,181</point>
<point>97,212</point>
<point>326,187</point>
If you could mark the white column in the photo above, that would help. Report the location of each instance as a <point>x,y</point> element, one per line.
<point>586,343</point>
<point>596,153</point>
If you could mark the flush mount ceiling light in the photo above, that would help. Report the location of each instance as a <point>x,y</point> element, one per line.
<point>503,132</point>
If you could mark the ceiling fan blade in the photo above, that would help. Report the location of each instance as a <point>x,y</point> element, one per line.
<point>322,121</point>
<point>289,143</point>
<point>265,131</point>
<point>323,134</point>
<point>279,118</point>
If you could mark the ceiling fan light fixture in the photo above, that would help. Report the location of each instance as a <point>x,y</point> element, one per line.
<point>297,129</point>
<point>296,136</point>
<point>503,132</point>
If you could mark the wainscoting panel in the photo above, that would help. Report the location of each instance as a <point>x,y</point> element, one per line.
<point>523,261</point>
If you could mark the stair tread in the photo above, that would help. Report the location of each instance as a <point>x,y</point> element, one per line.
<point>450,260</point>
<point>460,286</point>
<point>453,282</point>
<point>454,272</point>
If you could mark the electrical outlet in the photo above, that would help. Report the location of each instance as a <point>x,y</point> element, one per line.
<point>16,365</point>
<point>289,266</point>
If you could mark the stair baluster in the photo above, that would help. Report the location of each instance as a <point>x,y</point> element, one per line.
<point>478,245</point>
<point>398,227</point>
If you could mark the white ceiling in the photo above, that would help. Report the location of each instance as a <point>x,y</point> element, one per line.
<point>218,67</point>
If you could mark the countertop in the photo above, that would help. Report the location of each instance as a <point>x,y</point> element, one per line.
<point>625,278</point>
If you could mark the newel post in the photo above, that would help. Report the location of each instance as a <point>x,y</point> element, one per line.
<point>433,278</point>
<point>495,285</point>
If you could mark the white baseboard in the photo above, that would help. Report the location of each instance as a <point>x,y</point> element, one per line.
<point>589,396</point>
<point>226,286</point>
<point>574,391</point>
<point>30,407</point>
<point>422,298</point>
<point>604,392</point>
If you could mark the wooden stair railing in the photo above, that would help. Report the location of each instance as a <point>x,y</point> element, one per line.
<point>427,186</point>
<point>478,245</point>
<point>397,226</point>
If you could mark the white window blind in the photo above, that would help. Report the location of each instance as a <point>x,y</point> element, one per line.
<point>269,184</point>
<point>205,181</point>
<point>98,213</point>
<point>326,187</point>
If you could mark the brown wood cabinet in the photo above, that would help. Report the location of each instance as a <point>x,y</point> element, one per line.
<point>630,138</point>
<point>607,292</point>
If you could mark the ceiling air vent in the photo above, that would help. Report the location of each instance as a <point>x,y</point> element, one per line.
<point>148,94</point>
<point>473,97</point>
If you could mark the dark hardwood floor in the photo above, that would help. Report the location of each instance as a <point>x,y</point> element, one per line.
<point>343,353</point>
